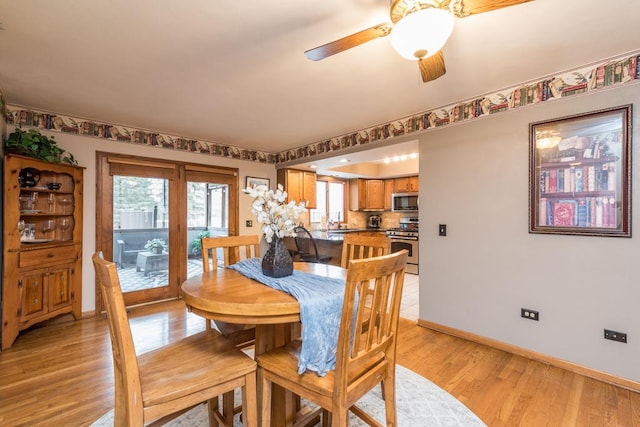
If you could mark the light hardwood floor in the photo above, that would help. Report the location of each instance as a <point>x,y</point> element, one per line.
<point>61,375</point>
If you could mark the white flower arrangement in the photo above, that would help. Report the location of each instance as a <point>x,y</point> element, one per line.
<point>278,218</point>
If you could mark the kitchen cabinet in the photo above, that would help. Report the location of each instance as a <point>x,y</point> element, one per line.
<point>374,194</point>
<point>407,184</point>
<point>366,195</point>
<point>389,189</point>
<point>42,254</point>
<point>299,185</point>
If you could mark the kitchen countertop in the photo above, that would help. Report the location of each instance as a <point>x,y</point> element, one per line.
<point>338,235</point>
<point>329,242</point>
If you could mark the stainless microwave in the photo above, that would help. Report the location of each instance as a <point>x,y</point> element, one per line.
<point>404,202</point>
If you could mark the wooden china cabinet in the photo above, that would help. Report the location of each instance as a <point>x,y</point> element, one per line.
<point>42,253</point>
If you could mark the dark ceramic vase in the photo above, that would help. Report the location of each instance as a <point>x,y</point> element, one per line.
<point>277,261</point>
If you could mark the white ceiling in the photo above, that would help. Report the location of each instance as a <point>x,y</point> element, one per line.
<point>234,72</point>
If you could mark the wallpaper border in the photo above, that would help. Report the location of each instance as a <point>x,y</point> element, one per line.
<point>21,116</point>
<point>615,71</point>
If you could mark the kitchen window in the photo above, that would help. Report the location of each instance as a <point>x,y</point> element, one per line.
<point>330,201</point>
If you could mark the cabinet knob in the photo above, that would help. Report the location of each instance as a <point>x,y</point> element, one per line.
<point>50,255</point>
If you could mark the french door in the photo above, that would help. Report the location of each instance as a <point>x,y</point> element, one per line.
<point>209,208</point>
<point>150,213</point>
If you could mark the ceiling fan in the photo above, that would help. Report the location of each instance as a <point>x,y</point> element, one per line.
<point>419,30</point>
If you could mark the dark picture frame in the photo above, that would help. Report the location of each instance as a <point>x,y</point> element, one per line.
<point>580,174</point>
<point>253,181</point>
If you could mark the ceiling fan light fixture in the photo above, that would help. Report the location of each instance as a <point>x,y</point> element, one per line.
<point>422,34</point>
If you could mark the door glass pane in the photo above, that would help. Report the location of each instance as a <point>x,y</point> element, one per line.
<point>140,232</point>
<point>207,216</point>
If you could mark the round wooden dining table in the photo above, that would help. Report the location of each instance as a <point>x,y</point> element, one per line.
<point>228,296</point>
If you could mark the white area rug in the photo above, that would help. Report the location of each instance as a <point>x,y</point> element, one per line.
<point>419,402</point>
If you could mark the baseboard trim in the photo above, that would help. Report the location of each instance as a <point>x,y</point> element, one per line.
<point>88,314</point>
<point>529,354</point>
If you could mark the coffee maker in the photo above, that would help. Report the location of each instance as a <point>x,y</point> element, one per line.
<point>374,221</point>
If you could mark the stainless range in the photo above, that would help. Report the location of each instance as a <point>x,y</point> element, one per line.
<point>406,237</point>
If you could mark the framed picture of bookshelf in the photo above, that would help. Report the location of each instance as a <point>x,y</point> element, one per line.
<point>252,181</point>
<point>580,174</point>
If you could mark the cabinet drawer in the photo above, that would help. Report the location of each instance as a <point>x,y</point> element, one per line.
<point>46,256</point>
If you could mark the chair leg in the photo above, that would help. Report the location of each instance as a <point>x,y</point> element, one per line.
<point>222,415</point>
<point>249,399</point>
<point>326,418</point>
<point>212,408</point>
<point>388,393</point>
<point>265,400</point>
<point>340,417</point>
<point>227,408</point>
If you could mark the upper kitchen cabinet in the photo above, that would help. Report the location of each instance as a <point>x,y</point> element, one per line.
<point>389,189</point>
<point>367,195</point>
<point>407,184</point>
<point>299,185</point>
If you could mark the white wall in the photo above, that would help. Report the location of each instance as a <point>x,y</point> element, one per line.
<point>375,170</point>
<point>84,150</point>
<point>474,178</point>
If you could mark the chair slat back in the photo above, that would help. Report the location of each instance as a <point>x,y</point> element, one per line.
<point>234,249</point>
<point>127,374</point>
<point>357,246</point>
<point>366,350</point>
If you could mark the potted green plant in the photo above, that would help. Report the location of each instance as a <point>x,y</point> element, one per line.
<point>155,246</point>
<point>32,143</point>
<point>196,248</point>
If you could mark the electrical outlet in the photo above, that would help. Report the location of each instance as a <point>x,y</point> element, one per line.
<point>529,314</point>
<point>442,230</point>
<point>249,223</point>
<point>615,336</point>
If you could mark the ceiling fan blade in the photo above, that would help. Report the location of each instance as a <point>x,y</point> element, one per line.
<point>340,45</point>
<point>432,67</point>
<point>464,8</point>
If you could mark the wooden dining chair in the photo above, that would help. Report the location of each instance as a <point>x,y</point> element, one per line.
<point>358,246</point>
<point>234,249</point>
<point>365,357</point>
<point>166,382</point>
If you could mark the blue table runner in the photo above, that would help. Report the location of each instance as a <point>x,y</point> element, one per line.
<point>320,300</point>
